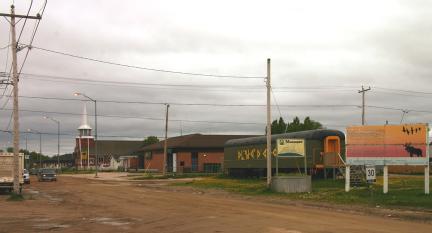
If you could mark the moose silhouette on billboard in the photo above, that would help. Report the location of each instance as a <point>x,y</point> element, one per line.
<point>412,150</point>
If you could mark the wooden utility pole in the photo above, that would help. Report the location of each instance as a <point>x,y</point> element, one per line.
<point>15,104</point>
<point>165,142</point>
<point>269,151</point>
<point>362,91</point>
<point>16,165</point>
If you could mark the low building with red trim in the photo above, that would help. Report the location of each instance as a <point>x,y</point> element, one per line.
<point>189,153</point>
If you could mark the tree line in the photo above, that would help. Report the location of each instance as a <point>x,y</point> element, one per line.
<point>280,126</point>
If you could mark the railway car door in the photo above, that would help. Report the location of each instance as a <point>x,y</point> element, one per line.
<point>332,144</point>
<point>332,150</point>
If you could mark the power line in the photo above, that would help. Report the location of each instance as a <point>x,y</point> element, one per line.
<point>192,104</point>
<point>7,98</point>
<point>405,93</point>
<point>10,120</point>
<point>62,79</point>
<point>7,57</point>
<point>56,78</point>
<point>25,21</point>
<point>277,105</point>
<point>5,47</point>
<point>138,117</point>
<point>146,68</point>
<point>229,105</point>
<point>70,134</point>
<point>29,46</point>
<point>223,122</point>
<point>401,90</point>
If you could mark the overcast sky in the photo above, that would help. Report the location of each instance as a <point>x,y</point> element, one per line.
<point>322,52</point>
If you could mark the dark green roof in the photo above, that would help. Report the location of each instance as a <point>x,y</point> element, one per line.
<point>117,148</point>
<point>193,141</point>
<point>318,134</point>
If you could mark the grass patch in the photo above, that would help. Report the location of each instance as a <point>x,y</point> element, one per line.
<point>151,176</point>
<point>404,191</point>
<point>244,186</point>
<point>16,197</point>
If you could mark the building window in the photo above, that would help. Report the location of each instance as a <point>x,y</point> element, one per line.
<point>148,155</point>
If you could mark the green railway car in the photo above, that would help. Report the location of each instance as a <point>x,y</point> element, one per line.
<point>247,156</point>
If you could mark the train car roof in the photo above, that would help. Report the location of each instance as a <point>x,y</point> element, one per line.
<point>317,134</point>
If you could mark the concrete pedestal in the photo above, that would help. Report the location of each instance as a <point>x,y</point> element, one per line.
<point>291,184</point>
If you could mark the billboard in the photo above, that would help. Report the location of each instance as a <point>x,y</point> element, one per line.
<point>387,145</point>
<point>290,147</point>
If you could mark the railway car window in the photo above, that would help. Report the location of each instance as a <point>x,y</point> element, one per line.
<point>332,144</point>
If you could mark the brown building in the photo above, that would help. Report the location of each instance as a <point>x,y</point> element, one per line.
<point>189,153</point>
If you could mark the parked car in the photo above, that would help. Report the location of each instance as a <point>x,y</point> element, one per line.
<point>34,171</point>
<point>26,176</point>
<point>47,174</point>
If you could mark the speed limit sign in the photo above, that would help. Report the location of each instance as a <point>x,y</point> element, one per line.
<point>370,174</point>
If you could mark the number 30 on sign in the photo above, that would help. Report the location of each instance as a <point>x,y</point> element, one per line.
<point>370,174</point>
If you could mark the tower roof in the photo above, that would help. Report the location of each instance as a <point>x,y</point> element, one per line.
<point>84,122</point>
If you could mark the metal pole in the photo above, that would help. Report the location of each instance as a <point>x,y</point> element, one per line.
<point>269,152</point>
<point>58,144</point>
<point>88,153</point>
<point>347,178</point>
<point>40,150</point>
<point>427,167</point>
<point>165,142</point>
<point>80,151</point>
<point>385,180</point>
<point>26,151</point>
<point>427,179</point>
<point>363,107</point>
<point>96,148</point>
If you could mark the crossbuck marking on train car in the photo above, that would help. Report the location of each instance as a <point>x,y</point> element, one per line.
<point>253,153</point>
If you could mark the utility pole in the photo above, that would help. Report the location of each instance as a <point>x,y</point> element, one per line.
<point>363,91</point>
<point>165,142</point>
<point>16,184</point>
<point>269,151</point>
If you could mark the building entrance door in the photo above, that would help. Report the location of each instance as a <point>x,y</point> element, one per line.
<point>169,162</point>
<point>194,161</point>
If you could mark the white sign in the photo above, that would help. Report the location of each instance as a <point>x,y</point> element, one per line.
<point>291,147</point>
<point>27,156</point>
<point>370,173</point>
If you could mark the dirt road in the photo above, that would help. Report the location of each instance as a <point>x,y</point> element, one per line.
<point>82,205</point>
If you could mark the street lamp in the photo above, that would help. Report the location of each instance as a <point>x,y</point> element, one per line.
<point>40,145</point>
<point>95,115</point>
<point>58,138</point>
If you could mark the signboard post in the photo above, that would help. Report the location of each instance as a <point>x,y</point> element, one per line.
<point>386,145</point>
<point>347,178</point>
<point>385,179</point>
<point>291,148</point>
